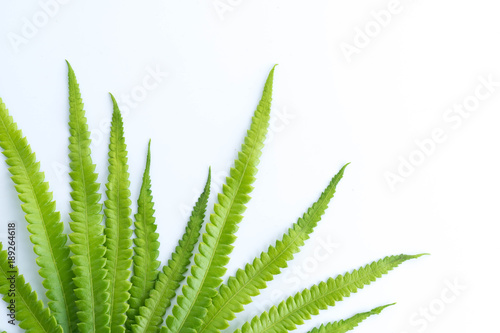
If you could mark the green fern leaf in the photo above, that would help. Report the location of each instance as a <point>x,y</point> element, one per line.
<point>246,283</point>
<point>87,237</point>
<point>29,310</point>
<point>294,310</point>
<point>118,224</point>
<point>209,263</point>
<point>346,325</point>
<point>151,315</point>
<point>45,223</point>
<point>145,267</point>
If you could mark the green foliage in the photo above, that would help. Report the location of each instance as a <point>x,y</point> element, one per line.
<point>343,326</point>
<point>44,223</point>
<point>92,283</point>
<point>294,310</point>
<point>151,315</point>
<point>145,268</point>
<point>29,310</point>
<point>105,281</point>
<point>247,283</point>
<point>209,263</point>
<point>118,224</point>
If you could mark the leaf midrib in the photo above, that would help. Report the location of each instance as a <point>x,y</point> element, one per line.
<point>84,189</point>
<point>147,260</point>
<point>259,128</point>
<point>118,200</point>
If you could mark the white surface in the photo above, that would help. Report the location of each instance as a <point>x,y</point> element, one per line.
<point>368,111</point>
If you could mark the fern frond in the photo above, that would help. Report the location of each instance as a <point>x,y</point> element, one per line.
<point>87,237</point>
<point>45,223</point>
<point>151,315</point>
<point>29,310</point>
<point>239,289</point>
<point>346,325</point>
<point>214,250</point>
<point>294,310</point>
<point>118,224</point>
<point>146,244</point>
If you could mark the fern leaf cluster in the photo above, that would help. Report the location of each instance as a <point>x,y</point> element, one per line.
<point>105,276</point>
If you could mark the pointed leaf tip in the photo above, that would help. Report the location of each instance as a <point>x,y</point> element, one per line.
<point>270,77</point>
<point>113,99</point>
<point>117,114</point>
<point>70,68</point>
<point>344,167</point>
<point>148,157</point>
<point>379,309</point>
<point>386,306</point>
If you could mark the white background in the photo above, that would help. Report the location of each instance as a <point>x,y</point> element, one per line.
<point>369,108</point>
